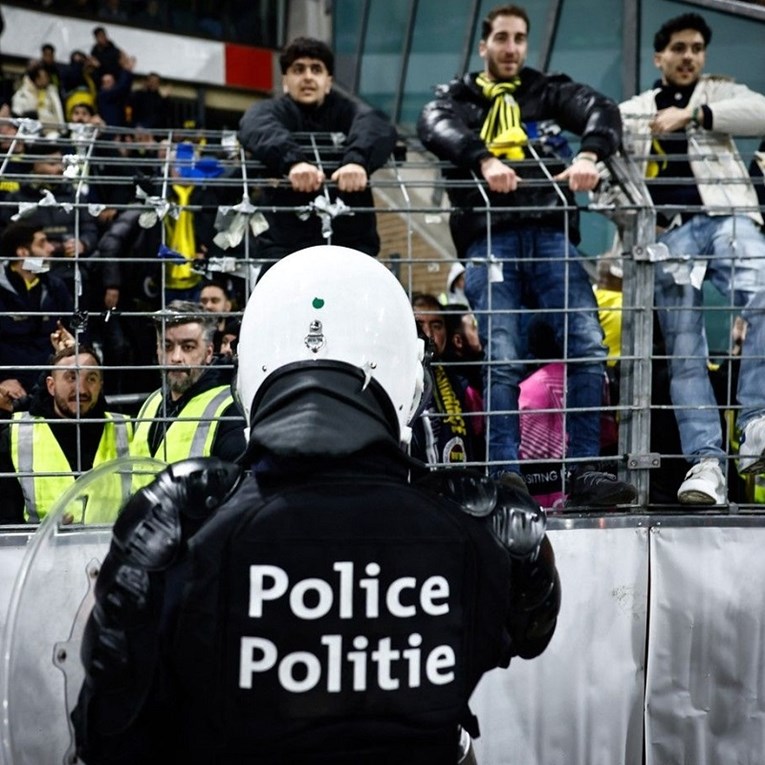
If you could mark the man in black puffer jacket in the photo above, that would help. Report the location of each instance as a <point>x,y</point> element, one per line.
<point>276,133</point>
<point>487,125</point>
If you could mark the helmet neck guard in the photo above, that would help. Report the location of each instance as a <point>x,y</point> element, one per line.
<point>320,409</point>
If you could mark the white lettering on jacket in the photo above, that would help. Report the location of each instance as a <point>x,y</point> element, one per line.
<point>270,583</point>
<point>345,663</point>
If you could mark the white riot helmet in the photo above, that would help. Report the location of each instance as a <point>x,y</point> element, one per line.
<point>329,303</point>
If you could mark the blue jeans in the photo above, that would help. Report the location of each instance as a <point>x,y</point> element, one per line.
<point>735,252</point>
<point>539,268</point>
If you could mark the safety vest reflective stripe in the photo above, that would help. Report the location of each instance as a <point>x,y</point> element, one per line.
<point>122,430</point>
<point>193,430</point>
<point>45,472</point>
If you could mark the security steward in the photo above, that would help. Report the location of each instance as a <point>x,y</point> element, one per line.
<point>66,432</point>
<point>194,414</point>
<point>323,607</point>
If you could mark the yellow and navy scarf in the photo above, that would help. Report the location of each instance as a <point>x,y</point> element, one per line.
<point>502,130</point>
<point>447,401</point>
<point>656,165</point>
<point>180,237</point>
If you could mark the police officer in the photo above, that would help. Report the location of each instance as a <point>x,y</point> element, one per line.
<point>65,432</point>
<point>338,603</point>
<point>195,415</point>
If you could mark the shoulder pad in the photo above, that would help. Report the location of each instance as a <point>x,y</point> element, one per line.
<point>151,526</point>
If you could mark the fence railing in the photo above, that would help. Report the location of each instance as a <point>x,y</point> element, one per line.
<point>107,175</point>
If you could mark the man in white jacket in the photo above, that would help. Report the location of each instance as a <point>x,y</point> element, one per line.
<point>708,217</point>
<point>38,98</point>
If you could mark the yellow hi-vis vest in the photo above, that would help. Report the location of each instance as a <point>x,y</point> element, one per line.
<point>192,432</point>
<point>754,485</point>
<point>759,489</point>
<point>44,471</point>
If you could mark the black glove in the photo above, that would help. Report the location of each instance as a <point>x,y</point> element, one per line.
<point>519,521</point>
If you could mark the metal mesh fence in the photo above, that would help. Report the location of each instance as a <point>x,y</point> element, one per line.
<point>121,181</point>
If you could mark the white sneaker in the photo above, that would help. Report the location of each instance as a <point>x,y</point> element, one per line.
<point>752,450</point>
<point>703,485</point>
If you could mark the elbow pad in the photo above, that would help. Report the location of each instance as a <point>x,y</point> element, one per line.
<point>519,521</point>
<point>534,601</point>
<point>513,514</point>
<point>474,492</point>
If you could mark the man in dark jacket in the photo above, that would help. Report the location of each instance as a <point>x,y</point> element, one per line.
<point>72,232</point>
<point>32,303</point>
<point>149,106</point>
<point>275,133</point>
<point>324,608</point>
<point>483,123</point>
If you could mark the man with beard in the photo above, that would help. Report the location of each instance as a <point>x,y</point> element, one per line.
<point>681,131</point>
<point>194,413</point>
<point>441,435</point>
<point>66,432</point>
<point>464,359</point>
<point>484,124</point>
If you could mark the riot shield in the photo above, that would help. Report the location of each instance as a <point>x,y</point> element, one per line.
<point>40,671</point>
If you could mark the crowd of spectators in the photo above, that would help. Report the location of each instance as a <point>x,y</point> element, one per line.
<point>252,23</point>
<point>112,233</point>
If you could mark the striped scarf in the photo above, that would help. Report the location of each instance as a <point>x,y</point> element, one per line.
<point>180,237</point>
<point>502,130</point>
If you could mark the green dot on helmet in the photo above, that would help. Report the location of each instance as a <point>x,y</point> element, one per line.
<point>318,303</point>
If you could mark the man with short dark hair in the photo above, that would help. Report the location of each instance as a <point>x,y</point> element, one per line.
<point>106,53</point>
<point>193,414</point>
<point>73,235</point>
<point>479,123</point>
<point>48,62</point>
<point>271,131</point>
<point>66,432</point>
<point>149,106</point>
<point>32,302</point>
<point>681,130</point>
<point>215,297</point>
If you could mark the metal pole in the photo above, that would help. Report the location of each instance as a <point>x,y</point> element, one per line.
<point>408,35</point>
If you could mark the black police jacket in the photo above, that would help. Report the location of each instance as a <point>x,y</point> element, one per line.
<point>352,616</point>
<point>450,126</point>
<point>322,609</point>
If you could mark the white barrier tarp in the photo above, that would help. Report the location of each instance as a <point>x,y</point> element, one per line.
<point>705,694</point>
<point>581,702</point>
